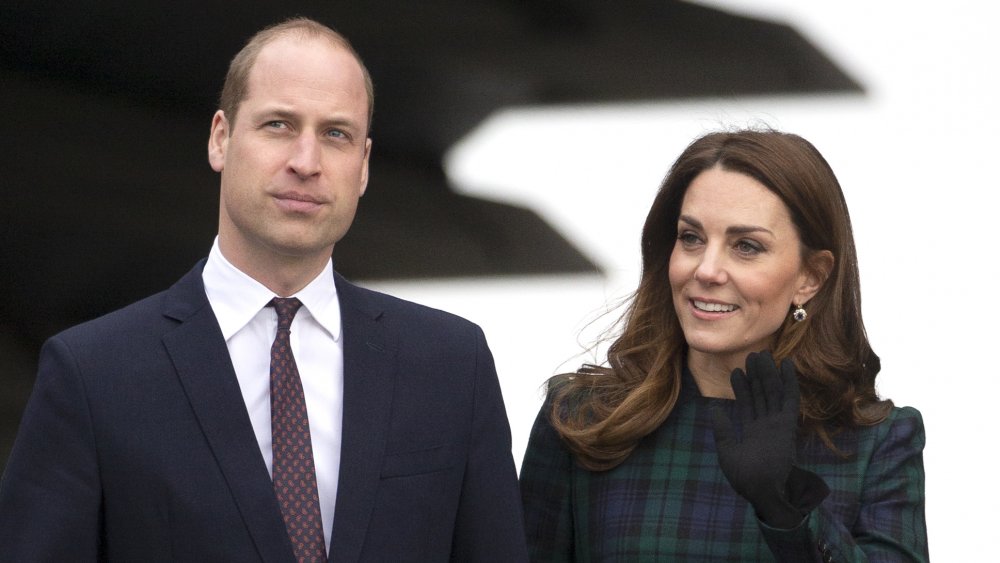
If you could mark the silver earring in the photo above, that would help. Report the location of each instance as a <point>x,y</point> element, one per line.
<point>799,314</point>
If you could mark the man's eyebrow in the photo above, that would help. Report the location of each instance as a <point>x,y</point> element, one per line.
<point>275,112</point>
<point>347,124</point>
<point>339,122</point>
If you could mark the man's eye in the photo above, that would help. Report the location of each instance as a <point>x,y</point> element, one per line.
<point>275,124</point>
<point>335,133</point>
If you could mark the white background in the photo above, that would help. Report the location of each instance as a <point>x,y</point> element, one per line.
<point>917,158</point>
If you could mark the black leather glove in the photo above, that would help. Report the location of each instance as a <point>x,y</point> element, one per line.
<point>757,457</point>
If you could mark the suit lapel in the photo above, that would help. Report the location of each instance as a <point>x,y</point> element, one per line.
<point>369,373</point>
<point>201,359</point>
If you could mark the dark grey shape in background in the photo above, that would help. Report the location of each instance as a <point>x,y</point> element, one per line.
<point>108,196</point>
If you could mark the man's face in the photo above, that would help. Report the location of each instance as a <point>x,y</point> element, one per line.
<point>295,160</point>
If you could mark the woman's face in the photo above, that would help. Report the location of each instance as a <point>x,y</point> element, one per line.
<point>736,267</point>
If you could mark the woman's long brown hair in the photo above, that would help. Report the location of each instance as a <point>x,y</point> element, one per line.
<point>602,412</point>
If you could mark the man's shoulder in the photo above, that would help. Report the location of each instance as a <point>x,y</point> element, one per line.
<point>151,314</point>
<point>126,320</point>
<point>396,309</point>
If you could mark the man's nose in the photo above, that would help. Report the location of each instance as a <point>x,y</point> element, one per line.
<point>305,158</point>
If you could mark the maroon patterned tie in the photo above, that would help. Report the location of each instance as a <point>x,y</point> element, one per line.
<point>293,472</point>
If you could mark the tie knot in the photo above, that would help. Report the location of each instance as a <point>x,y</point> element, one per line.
<point>286,307</point>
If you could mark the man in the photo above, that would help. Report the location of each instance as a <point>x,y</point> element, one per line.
<point>263,408</point>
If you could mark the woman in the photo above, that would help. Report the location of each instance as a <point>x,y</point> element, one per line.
<point>689,445</point>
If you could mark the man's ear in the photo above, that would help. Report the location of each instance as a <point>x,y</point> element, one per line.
<point>218,141</point>
<point>364,166</point>
<point>817,269</point>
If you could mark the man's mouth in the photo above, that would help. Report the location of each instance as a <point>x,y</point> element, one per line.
<point>296,196</point>
<point>297,203</point>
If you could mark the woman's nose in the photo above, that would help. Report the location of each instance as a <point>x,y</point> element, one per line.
<point>711,268</point>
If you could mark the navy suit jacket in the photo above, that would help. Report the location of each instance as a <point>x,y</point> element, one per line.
<point>136,444</point>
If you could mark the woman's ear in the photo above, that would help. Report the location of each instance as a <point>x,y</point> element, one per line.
<point>817,270</point>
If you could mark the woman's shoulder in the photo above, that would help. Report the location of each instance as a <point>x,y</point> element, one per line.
<point>908,415</point>
<point>903,419</point>
<point>903,427</point>
<point>570,391</point>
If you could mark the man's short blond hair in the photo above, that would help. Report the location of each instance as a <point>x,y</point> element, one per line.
<point>234,90</point>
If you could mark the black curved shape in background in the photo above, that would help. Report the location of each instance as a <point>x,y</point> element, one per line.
<point>108,196</point>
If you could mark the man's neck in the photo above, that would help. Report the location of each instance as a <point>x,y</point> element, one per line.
<point>283,274</point>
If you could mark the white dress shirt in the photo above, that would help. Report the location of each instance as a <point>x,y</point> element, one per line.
<point>249,327</point>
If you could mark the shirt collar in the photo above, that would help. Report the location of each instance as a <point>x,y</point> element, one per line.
<point>236,297</point>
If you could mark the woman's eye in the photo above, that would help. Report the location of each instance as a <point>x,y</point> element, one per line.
<point>688,238</point>
<point>748,247</point>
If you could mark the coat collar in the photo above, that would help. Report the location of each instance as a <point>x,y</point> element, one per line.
<point>201,358</point>
<point>369,377</point>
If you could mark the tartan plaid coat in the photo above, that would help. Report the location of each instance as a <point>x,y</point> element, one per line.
<point>669,501</point>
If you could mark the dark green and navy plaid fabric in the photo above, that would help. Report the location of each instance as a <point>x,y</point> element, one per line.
<point>670,502</point>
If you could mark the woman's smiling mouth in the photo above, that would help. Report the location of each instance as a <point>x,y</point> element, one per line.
<point>713,307</point>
